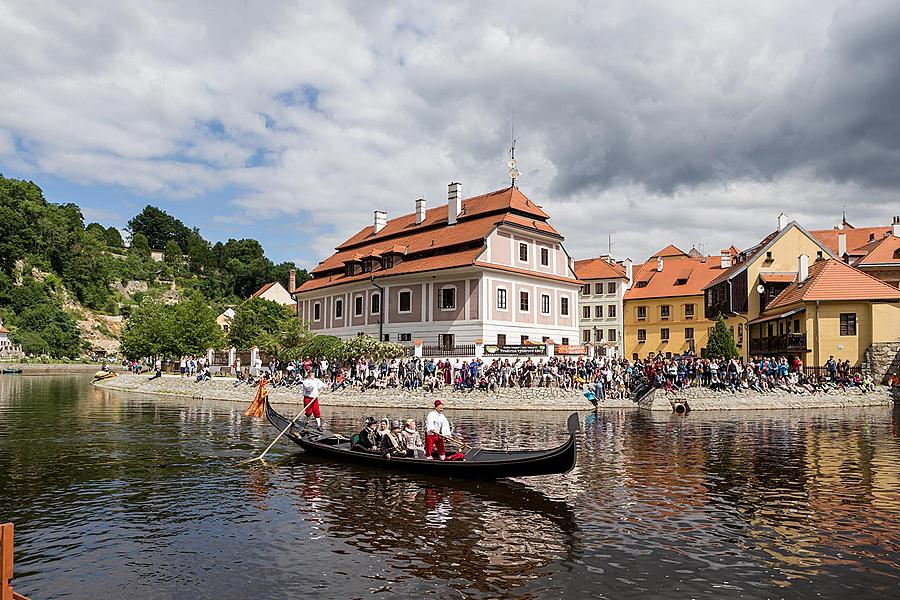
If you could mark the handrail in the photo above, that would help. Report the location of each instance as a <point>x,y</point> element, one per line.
<point>6,564</point>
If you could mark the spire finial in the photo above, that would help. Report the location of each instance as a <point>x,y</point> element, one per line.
<point>512,163</point>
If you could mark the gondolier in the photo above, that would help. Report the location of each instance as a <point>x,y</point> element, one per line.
<point>436,428</point>
<point>312,385</point>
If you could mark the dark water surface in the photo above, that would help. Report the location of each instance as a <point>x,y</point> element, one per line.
<point>122,496</point>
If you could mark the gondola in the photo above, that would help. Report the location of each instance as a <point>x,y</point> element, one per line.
<point>478,463</point>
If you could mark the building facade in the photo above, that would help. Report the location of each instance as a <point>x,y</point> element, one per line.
<point>752,279</point>
<point>600,303</point>
<point>831,310</point>
<point>487,269</point>
<point>274,292</point>
<point>663,308</point>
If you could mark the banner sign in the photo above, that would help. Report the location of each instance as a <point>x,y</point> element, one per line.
<point>569,350</point>
<point>516,350</point>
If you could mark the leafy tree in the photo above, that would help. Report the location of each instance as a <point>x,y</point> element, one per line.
<point>114,238</point>
<point>172,252</point>
<point>159,227</point>
<point>194,327</point>
<point>149,331</point>
<point>327,346</point>
<point>57,331</point>
<point>97,231</point>
<point>369,347</point>
<point>255,322</point>
<point>140,246</point>
<point>281,273</point>
<point>289,342</point>
<point>721,342</point>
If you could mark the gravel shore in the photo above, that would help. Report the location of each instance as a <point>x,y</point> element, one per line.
<point>504,399</point>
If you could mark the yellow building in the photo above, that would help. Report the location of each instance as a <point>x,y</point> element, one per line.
<point>832,310</point>
<point>752,279</point>
<point>663,309</point>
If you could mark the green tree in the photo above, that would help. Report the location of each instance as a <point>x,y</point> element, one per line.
<point>327,346</point>
<point>368,346</point>
<point>149,330</point>
<point>721,342</point>
<point>57,330</point>
<point>255,322</point>
<point>172,253</point>
<point>194,328</point>
<point>140,246</point>
<point>159,227</point>
<point>114,238</point>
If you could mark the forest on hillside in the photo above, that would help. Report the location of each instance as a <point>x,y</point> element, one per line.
<point>53,267</point>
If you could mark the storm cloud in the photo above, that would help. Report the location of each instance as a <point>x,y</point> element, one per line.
<point>651,122</point>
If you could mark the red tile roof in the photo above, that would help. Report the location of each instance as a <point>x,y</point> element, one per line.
<point>778,277</point>
<point>856,236</point>
<point>661,284</point>
<point>262,290</point>
<point>3,329</point>
<point>884,251</point>
<point>598,268</point>
<point>749,255</point>
<point>833,279</point>
<point>670,250</point>
<point>432,244</point>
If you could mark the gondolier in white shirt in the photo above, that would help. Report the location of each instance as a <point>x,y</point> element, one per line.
<point>312,385</point>
<point>436,428</point>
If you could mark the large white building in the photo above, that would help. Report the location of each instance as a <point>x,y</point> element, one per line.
<point>600,302</point>
<point>488,269</point>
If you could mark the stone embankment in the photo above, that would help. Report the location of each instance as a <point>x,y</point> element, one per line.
<point>706,399</point>
<point>224,389</point>
<point>503,399</point>
<point>52,368</point>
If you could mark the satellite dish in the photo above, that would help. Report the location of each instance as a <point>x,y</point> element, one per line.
<point>760,288</point>
<point>512,163</point>
<point>514,173</point>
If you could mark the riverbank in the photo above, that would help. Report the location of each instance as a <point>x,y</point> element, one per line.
<point>503,399</point>
<point>53,368</point>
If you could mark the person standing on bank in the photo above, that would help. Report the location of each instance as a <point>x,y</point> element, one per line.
<point>436,428</point>
<point>312,385</point>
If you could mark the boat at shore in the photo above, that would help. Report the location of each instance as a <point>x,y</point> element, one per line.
<point>103,376</point>
<point>12,370</point>
<point>477,463</point>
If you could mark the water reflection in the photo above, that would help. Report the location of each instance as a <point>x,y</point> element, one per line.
<point>120,496</point>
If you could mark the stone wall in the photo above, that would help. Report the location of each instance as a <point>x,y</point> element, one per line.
<point>706,399</point>
<point>883,360</point>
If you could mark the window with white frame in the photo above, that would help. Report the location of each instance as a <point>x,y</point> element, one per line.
<point>611,310</point>
<point>501,299</point>
<point>545,257</point>
<point>564,306</point>
<point>358,306</point>
<point>598,288</point>
<point>317,311</point>
<point>404,301</point>
<point>598,311</point>
<point>585,335</point>
<point>611,287</point>
<point>598,335</point>
<point>523,301</point>
<point>585,312</point>
<point>405,337</point>
<point>448,298</point>
<point>523,252</point>
<point>545,304</point>
<point>611,335</point>
<point>339,308</point>
<point>375,304</point>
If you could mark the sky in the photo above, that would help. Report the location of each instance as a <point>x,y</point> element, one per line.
<point>644,123</point>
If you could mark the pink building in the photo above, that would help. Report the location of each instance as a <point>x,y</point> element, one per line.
<point>487,268</point>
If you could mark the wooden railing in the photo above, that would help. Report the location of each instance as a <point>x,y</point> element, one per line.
<point>6,564</point>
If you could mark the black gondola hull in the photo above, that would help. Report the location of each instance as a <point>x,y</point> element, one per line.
<point>479,463</point>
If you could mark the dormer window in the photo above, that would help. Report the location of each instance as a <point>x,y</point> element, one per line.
<point>769,256</point>
<point>641,284</point>
<point>387,262</point>
<point>681,281</point>
<point>351,271</point>
<point>367,266</point>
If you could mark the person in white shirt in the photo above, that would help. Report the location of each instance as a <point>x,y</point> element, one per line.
<point>312,386</point>
<point>436,427</point>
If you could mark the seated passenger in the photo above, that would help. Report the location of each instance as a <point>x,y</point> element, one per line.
<point>392,441</point>
<point>383,427</point>
<point>367,439</point>
<point>412,440</point>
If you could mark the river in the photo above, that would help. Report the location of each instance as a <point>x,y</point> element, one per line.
<point>134,497</point>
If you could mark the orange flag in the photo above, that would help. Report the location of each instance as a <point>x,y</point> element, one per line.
<point>256,407</point>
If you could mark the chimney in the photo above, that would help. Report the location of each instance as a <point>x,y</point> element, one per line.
<point>726,259</point>
<point>420,211</point>
<point>629,270</point>
<point>380,220</point>
<point>895,228</point>
<point>454,202</point>
<point>782,221</point>
<point>292,280</point>
<point>659,263</point>
<point>803,272</point>
<point>842,241</point>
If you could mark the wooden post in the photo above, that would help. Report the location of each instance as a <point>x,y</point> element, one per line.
<point>6,563</point>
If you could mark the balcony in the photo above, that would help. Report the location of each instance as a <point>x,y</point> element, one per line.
<point>780,344</point>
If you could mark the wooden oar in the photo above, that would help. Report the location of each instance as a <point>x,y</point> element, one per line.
<point>459,443</point>
<point>283,431</point>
